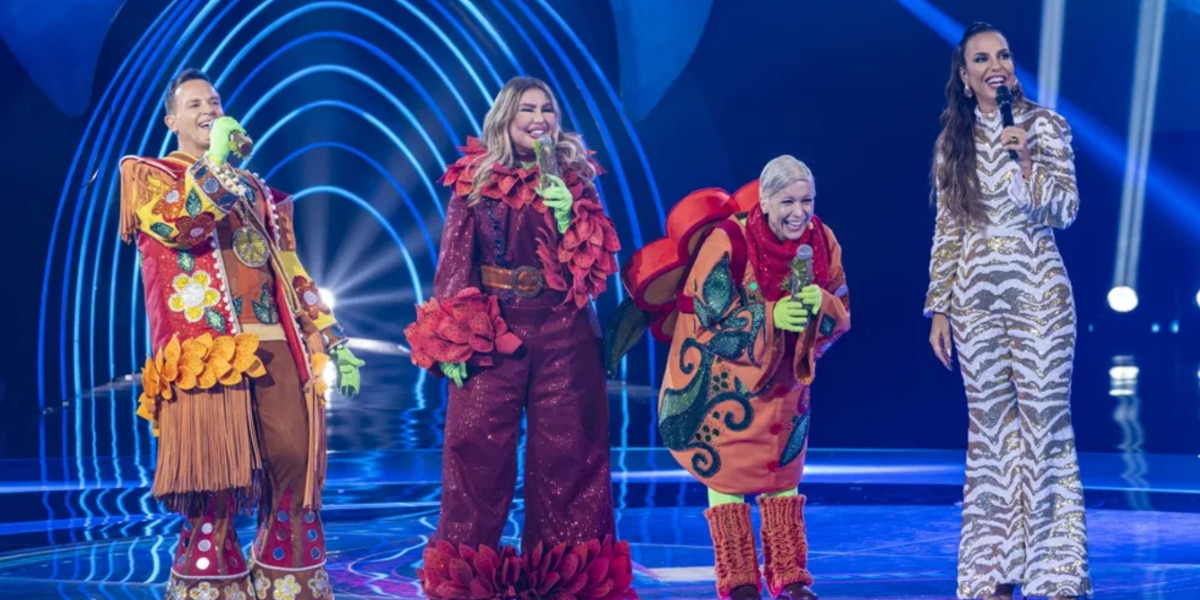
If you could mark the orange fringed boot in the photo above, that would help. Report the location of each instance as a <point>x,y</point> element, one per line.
<point>736,556</point>
<point>785,548</point>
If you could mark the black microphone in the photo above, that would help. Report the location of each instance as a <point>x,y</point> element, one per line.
<point>1004,100</point>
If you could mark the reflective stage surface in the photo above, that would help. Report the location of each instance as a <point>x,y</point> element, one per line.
<point>883,524</point>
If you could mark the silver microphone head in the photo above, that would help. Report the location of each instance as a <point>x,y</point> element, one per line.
<point>804,252</point>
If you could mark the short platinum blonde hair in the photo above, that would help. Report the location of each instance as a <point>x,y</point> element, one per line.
<point>781,172</point>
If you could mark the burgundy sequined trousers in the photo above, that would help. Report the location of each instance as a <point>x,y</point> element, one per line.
<point>557,379</point>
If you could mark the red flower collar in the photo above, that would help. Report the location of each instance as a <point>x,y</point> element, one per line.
<point>577,262</point>
<point>516,187</point>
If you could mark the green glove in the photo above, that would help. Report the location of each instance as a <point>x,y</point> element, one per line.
<point>811,297</point>
<point>219,144</point>
<point>347,366</point>
<point>555,195</point>
<point>790,314</point>
<point>456,372</point>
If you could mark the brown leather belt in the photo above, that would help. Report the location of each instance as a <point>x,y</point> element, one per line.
<point>525,282</point>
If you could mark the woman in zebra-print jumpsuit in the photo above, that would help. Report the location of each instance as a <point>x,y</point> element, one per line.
<point>998,281</point>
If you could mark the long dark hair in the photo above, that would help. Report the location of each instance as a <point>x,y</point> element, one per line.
<point>956,173</point>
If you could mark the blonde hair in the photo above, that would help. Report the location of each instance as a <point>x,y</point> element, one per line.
<point>569,151</point>
<point>781,172</point>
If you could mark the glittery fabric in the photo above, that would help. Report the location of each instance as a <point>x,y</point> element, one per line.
<point>558,380</point>
<point>1005,288</point>
<point>555,378</point>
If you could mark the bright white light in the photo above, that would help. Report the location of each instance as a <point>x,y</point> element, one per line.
<point>1123,373</point>
<point>1122,299</point>
<point>379,347</point>
<point>328,297</point>
<point>1197,298</point>
<point>330,376</point>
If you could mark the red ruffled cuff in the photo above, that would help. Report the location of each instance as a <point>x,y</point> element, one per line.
<point>584,257</point>
<point>465,328</point>
<point>463,572</point>
<point>593,569</point>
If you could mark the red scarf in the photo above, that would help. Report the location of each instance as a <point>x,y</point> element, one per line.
<point>772,258</point>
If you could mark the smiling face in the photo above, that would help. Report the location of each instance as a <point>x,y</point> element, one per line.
<point>790,210</point>
<point>987,66</point>
<point>535,117</point>
<point>196,104</point>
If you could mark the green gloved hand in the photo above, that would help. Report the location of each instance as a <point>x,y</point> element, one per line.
<point>219,144</point>
<point>348,376</point>
<point>790,314</point>
<point>456,372</point>
<point>555,195</point>
<point>811,297</point>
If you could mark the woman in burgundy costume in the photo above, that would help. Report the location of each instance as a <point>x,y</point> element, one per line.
<point>525,248</point>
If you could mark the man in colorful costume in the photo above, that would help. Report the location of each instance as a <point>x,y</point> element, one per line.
<point>240,340</point>
<point>745,332</point>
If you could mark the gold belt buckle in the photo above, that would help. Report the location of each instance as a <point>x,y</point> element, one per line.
<point>527,282</point>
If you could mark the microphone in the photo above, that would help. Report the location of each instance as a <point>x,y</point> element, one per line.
<point>1004,101</point>
<point>547,160</point>
<point>244,144</point>
<point>802,275</point>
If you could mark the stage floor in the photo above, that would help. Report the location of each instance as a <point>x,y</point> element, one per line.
<point>882,525</point>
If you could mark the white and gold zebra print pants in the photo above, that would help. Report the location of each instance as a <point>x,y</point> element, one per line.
<point>1023,511</point>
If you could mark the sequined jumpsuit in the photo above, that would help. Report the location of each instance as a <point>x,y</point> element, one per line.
<point>1005,289</point>
<point>556,378</point>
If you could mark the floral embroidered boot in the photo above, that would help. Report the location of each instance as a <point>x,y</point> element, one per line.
<point>208,562</point>
<point>288,557</point>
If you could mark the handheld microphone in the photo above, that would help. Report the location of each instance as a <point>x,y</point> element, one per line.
<point>1004,101</point>
<point>244,144</point>
<point>547,160</point>
<point>802,275</point>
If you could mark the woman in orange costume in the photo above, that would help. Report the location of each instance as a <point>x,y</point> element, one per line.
<point>744,341</point>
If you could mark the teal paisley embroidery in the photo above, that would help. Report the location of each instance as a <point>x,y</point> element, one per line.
<point>796,440</point>
<point>683,411</point>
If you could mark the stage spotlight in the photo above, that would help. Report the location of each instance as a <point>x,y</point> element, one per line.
<point>1197,298</point>
<point>328,297</point>
<point>1123,376</point>
<point>1122,299</point>
<point>1123,373</point>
